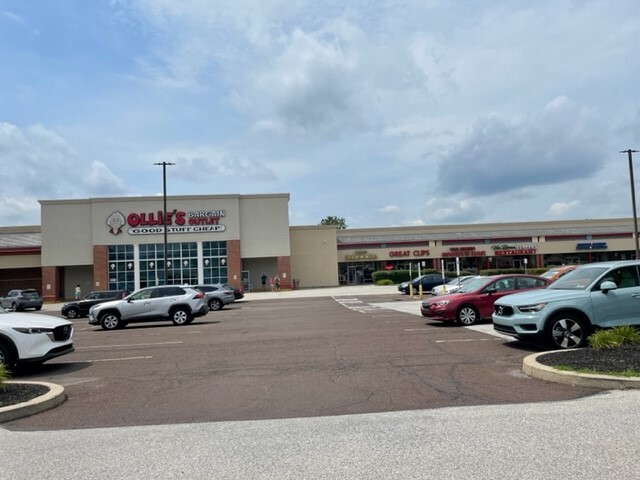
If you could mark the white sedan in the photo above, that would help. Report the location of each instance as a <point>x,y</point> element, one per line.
<point>33,338</point>
<point>451,286</point>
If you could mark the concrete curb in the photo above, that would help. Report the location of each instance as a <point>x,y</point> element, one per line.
<point>54,397</point>
<point>533,368</point>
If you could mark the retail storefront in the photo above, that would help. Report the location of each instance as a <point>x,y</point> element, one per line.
<point>106,243</point>
<point>479,247</point>
<point>119,243</point>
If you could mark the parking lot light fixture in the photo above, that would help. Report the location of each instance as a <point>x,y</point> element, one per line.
<point>164,212</point>
<point>630,153</point>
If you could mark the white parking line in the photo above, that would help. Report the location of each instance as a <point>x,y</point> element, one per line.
<point>108,360</point>
<point>130,345</point>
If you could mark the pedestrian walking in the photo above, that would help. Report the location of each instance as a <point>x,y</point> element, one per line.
<point>263,278</point>
<point>276,282</point>
<point>78,292</point>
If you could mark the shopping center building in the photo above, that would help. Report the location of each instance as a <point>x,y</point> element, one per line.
<point>116,243</point>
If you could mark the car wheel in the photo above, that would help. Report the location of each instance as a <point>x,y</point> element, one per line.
<point>468,315</point>
<point>72,313</point>
<point>110,321</point>
<point>180,316</point>
<point>38,308</point>
<point>215,304</point>
<point>567,331</point>
<point>14,307</point>
<point>6,355</point>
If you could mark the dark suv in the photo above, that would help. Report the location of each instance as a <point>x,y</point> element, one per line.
<point>427,281</point>
<point>18,300</point>
<point>80,308</point>
<point>168,302</point>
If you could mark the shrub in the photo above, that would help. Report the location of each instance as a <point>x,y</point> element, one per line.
<point>385,281</point>
<point>4,375</point>
<point>615,337</point>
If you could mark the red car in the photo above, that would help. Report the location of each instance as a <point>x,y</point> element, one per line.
<point>474,301</point>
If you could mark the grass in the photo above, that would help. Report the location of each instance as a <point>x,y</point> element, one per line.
<point>4,375</point>
<point>614,338</point>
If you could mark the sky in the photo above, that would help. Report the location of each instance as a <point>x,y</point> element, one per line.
<point>382,112</point>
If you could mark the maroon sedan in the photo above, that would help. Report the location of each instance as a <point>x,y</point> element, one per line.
<point>474,301</point>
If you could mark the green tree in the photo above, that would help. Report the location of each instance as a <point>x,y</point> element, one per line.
<point>339,222</point>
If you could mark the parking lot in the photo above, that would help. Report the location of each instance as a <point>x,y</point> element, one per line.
<point>276,358</point>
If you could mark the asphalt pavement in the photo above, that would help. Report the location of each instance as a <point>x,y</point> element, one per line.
<point>594,437</point>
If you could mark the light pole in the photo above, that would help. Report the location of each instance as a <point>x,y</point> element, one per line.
<point>629,152</point>
<point>164,212</point>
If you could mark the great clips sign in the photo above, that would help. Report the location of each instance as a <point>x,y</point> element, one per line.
<point>177,221</point>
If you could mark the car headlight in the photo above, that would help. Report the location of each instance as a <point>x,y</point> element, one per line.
<point>32,330</point>
<point>442,303</point>
<point>531,308</point>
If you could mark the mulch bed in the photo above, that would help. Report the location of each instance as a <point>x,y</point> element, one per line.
<point>626,357</point>
<point>13,393</point>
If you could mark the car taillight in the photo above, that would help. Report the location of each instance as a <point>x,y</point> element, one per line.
<point>199,295</point>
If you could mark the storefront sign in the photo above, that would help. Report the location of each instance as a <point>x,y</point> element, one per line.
<point>177,221</point>
<point>464,252</point>
<point>407,253</point>
<point>526,249</point>
<point>361,255</point>
<point>592,246</point>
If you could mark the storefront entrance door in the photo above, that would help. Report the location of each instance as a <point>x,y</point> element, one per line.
<point>355,275</point>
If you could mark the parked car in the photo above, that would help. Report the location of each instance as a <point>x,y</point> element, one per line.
<point>452,286</point>
<point>595,295</point>
<point>33,338</point>
<point>555,273</point>
<point>238,292</point>
<point>18,300</point>
<point>80,308</point>
<point>179,304</point>
<point>473,302</point>
<point>427,281</point>
<point>216,295</point>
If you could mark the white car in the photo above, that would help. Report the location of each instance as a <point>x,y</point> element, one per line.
<point>452,286</point>
<point>33,338</point>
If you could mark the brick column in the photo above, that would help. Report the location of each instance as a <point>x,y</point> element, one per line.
<point>284,267</point>
<point>51,284</point>
<point>234,263</point>
<point>100,267</point>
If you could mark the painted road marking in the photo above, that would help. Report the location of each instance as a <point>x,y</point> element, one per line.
<point>129,345</point>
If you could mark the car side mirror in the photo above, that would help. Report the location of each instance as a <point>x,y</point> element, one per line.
<point>491,290</point>
<point>608,285</point>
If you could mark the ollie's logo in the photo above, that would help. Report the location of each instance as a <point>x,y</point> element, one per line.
<point>115,222</point>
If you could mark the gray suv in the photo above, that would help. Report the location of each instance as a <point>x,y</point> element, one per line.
<point>170,302</point>
<point>595,295</point>
<point>18,300</point>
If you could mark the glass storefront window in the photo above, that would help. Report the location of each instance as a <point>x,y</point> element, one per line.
<point>121,267</point>
<point>214,262</point>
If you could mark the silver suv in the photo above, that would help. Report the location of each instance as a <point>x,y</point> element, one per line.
<point>179,304</point>
<point>595,295</point>
<point>18,300</point>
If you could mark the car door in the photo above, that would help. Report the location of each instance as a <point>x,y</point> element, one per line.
<point>137,306</point>
<point>620,306</point>
<point>492,292</point>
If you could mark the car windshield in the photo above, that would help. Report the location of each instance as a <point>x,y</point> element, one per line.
<point>578,279</point>
<point>473,284</point>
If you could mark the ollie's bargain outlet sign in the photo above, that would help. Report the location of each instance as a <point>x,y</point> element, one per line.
<point>177,221</point>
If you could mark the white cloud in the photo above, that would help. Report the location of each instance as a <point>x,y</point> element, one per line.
<point>101,179</point>
<point>559,209</point>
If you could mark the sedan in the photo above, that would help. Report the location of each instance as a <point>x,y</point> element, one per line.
<point>474,301</point>
<point>453,286</point>
<point>33,338</point>
<point>427,281</point>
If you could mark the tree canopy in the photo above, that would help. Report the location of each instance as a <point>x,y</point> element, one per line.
<point>339,222</point>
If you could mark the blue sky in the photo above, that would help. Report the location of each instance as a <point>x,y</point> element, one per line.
<point>384,112</point>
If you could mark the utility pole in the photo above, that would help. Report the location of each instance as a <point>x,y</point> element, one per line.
<point>630,153</point>
<point>164,212</point>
